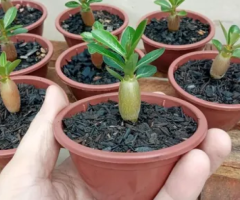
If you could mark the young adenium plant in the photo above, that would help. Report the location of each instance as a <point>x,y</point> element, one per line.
<point>86,11</point>
<point>222,62</point>
<point>97,59</point>
<point>8,88</point>
<point>6,4</point>
<point>171,6</point>
<point>121,56</point>
<point>6,31</point>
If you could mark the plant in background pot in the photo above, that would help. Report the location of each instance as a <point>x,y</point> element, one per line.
<point>30,14</point>
<point>210,80</point>
<point>116,139</point>
<point>178,31</point>
<point>81,17</point>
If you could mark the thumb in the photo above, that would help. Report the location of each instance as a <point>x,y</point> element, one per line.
<point>38,151</point>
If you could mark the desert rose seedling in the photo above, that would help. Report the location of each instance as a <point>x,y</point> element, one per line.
<point>97,58</point>
<point>6,5</point>
<point>85,8</point>
<point>222,62</point>
<point>6,31</point>
<point>171,6</point>
<point>121,56</point>
<point>8,88</point>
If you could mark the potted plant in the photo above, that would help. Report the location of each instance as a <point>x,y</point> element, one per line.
<point>84,73</point>
<point>30,14</point>
<point>21,97</point>
<point>178,31</point>
<point>34,51</point>
<point>72,22</point>
<point>210,80</point>
<point>116,139</point>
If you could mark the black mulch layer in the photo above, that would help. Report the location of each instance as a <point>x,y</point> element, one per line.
<point>81,69</point>
<point>26,15</point>
<point>191,31</point>
<point>29,53</point>
<point>194,77</point>
<point>102,127</point>
<point>75,24</point>
<point>14,126</point>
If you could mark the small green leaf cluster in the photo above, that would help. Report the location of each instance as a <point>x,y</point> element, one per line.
<point>6,67</point>
<point>121,56</point>
<point>85,4</point>
<point>232,37</point>
<point>88,37</point>
<point>171,6</point>
<point>6,30</point>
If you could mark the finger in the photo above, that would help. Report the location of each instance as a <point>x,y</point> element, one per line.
<point>38,150</point>
<point>217,146</point>
<point>187,178</point>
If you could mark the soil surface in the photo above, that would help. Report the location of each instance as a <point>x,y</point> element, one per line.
<point>190,31</point>
<point>194,77</point>
<point>82,70</point>
<point>29,53</point>
<point>75,24</point>
<point>26,16</point>
<point>102,127</point>
<point>14,126</point>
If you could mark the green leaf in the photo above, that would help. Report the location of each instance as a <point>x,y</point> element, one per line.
<point>179,2</point>
<point>94,1</point>
<point>107,39</point>
<point>72,4</point>
<point>182,13</point>
<point>1,24</point>
<point>127,38</point>
<point>217,44</point>
<point>236,53</point>
<point>131,65</point>
<point>17,31</point>
<point>224,31</point>
<point>87,37</point>
<point>137,36</point>
<point>99,49</point>
<point>14,27</point>
<point>173,2</point>
<point>2,71</point>
<point>9,16</point>
<point>166,9</point>
<point>163,3</point>
<point>98,26</point>
<point>85,7</point>
<point>3,59</point>
<point>114,74</point>
<point>146,71</point>
<point>109,62</point>
<point>13,66</point>
<point>150,57</point>
<point>233,35</point>
<point>236,46</point>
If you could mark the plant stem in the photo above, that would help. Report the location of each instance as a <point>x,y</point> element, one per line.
<point>88,18</point>
<point>10,95</point>
<point>97,60</point>
<point>173,22</point>
<point>10,50</point>
<point>220,65</point>
<point>6,4</point>
<point>129,99</point>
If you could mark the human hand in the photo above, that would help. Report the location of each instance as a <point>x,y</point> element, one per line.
<point>31,174</point>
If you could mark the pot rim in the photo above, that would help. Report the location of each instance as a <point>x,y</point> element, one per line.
<point>11,152</point>
<point>76,84</point>
<point>44,13</point>
<point>40,64</point>
<point>95,5</point>
<point>134,158</point>
<point>191,98</point>
<point>180,47</point>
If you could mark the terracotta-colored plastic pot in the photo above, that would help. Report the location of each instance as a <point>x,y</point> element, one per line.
<point>174,51</point>
<point>38,82</point>
<point>81,90</point>
<point>73,39</point>
<point>37,27</point>
<point>223,116</point>
<point>40,68</point>
<point>127,176</point>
